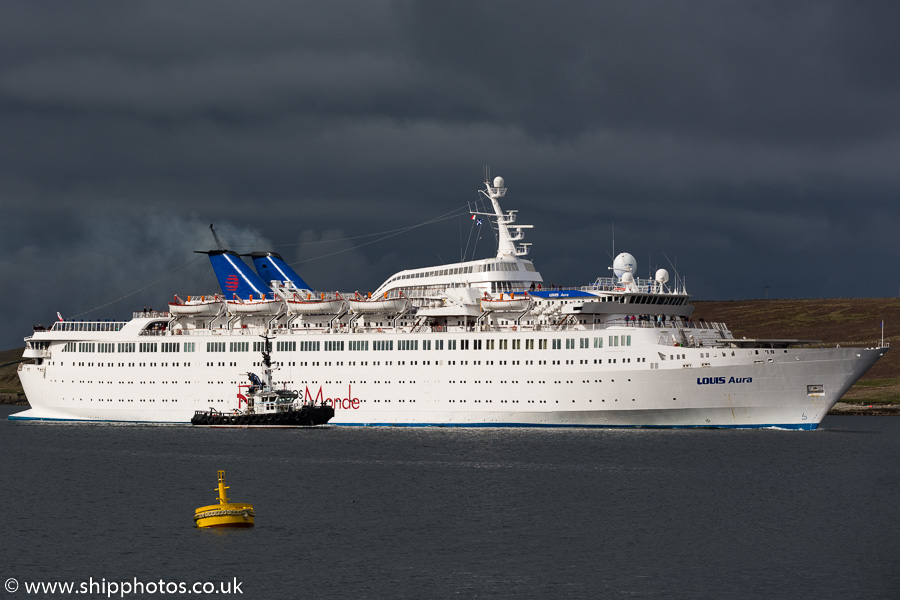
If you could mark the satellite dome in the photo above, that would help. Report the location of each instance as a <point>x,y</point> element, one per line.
<point>662,276</point>
<point>499,183</point>
<point>624,263</point>
<point>627,277</point>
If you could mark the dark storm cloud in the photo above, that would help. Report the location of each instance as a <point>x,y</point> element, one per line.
<point>789,72</point>
<point>752,143</point>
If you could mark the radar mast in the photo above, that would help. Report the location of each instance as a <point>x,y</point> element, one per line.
<point>506,241</point>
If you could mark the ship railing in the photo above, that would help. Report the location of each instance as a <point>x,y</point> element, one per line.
<point>201,331</point>
<point>88,326</point>
<point>702,325</point>
<point>700,330</point>
<point>665,339</point>
<point>612,284</point>
<point>653,324</point>
<point>312,296</point>
<point>251,331</point>
<point>393,294</point>
<point>150,314</point>
<point>683,337</point>
<point>669,324</point>
<point>626,323</point>
<point>154,332</point>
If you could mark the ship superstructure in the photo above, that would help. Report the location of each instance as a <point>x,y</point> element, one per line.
<point>474,343</point>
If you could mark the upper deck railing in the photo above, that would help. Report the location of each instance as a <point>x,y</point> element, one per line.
<point>86,326</point>
<point>717,329</point>
<point>100,326</point>
<point>150,314</point>
<point>612,284</point>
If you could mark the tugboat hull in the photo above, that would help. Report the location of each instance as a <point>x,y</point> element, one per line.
<point>307,416</point>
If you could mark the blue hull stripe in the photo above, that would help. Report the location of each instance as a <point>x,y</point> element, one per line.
<point>796,426</point>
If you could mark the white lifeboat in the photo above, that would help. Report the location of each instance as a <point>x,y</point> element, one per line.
<point>316,306</point>
<point>504,304</point>
<point>387,306</point>
<point>196,306</point>
<point>259,306</point>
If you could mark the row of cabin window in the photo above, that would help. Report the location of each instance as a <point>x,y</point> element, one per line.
<point>483,268</point>
<point>352,345</point>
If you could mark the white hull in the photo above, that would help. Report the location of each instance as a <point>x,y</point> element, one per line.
<point>772,394</point>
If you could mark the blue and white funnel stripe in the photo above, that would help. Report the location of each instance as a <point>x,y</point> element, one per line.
<point>271,267</point>
<point>235,278</point>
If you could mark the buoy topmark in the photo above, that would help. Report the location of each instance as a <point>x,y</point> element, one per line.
<point>225,513</point>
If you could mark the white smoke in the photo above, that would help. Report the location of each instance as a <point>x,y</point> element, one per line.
<point>114,266</point>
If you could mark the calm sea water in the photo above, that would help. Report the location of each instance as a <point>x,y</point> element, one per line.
<point>457,513</point>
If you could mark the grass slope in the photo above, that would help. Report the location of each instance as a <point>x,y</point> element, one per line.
<point>9,381</point>
<point>844,321</point>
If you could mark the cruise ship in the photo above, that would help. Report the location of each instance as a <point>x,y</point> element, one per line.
<point>480,343</point>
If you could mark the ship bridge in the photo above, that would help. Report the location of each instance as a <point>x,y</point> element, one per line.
<point>507,272</point>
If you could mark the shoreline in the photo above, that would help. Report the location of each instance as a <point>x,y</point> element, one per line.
<point>865,408</point>
<point>873,409</point>
<point>7,399</point>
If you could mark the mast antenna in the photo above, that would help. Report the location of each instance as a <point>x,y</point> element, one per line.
<point>216,237</point>
<point>674,269</point>
<point>614,237</point>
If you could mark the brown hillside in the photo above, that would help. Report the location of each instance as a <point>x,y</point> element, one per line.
<point>9,381</point>
<point>844,321</point>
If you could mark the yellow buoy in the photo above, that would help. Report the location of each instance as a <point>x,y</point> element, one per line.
<point>225,513</point>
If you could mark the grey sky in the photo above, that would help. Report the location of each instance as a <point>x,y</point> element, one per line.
<point>754,143</point>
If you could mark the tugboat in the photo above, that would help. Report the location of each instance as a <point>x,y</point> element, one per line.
<point>267,406</point>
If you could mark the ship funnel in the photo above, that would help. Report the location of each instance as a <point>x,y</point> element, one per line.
<point>235,277</point>
<point>271,267</point>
